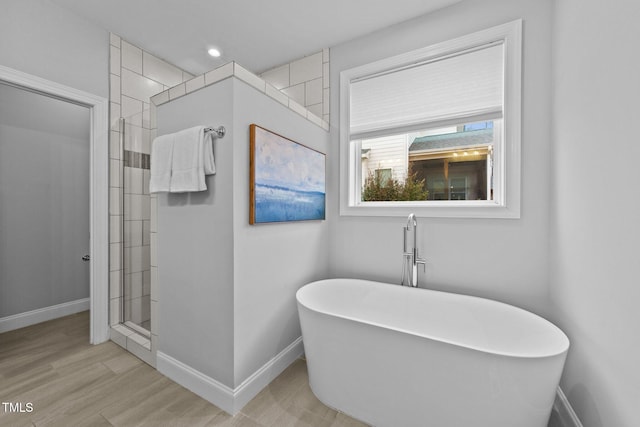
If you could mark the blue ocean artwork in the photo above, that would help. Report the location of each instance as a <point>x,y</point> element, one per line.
<point>289,179</point>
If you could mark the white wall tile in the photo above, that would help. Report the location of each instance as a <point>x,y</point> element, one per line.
<point>146,282</point>
<point>136,285</point>
<point>115,201</point>
<point>136,180</point>
<point>127,233</point>
<point>115,279</point>
<point>146,142</point>
<point>153,123</point>
<point>139,87</point>
<point>115,228</point>
<point>277,95</point>
<point>295,93</point>
<point>133,138</point>
<point>127,286</point>
<point>128,187</point>
<point>146,115</point>
<point>311,71</point>
<point>114,173</point>
<point>160,71</point>
<point>133,233</point>
<point>158,99</point>
<point>146,232</point>
<point>278,77</point>
<point>135,207</point>
<point>314,119</point>
<point>114,40</point>
<point>131,110</point>
<point>140,350</point>
<point>146,176</point>
<point>114,88</point>
<point>146,208</point>
<point>114,145</point>
<point>131,57</point>
<point>127,206</point>
<point>297,108</point>
<point>305,69</point>
<point>135,313</point>
<point>145,306</point>
<point>315,109</point>
<point>146,258</point>
<point>195,83</point>
<point>248,77</point>
<point>325,75</point>
<point>114,256</point>
<point>186,76</point>
<point>325,101</point>
<point>177,91</point>
<point>313,92</point>
<point>114,318</point>
<point>126,259</point>
<point>135,257</point>
<point>114,112</point>
<point>114,60</point>
<point>218,74</point>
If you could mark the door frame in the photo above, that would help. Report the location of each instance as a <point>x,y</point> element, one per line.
<point>98,190</point>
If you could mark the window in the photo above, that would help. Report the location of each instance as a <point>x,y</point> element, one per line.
<point>442,122</point>
<point>384,175</point>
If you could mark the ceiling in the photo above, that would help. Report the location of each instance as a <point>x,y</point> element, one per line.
<point>258,34</point>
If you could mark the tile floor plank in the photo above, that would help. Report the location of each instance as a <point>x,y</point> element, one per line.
<point>73,383</point>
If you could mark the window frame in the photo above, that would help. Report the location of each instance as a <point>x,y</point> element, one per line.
<point>507,153</point>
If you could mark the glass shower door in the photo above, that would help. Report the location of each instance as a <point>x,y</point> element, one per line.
<point>136,228</point>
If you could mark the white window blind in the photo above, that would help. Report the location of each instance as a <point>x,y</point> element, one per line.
<point>467,84</point>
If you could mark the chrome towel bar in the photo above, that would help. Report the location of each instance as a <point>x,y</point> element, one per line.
<point>220,131</point>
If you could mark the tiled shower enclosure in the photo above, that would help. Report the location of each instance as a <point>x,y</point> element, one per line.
<point>135,76</point>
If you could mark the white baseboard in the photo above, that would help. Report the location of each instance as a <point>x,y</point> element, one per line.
<point>228,399</point>
<point>567,416</point>
<point>29,318</point>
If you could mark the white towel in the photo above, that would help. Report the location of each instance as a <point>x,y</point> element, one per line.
<point>209,161</point>
<point>161,159</point>
<point>192,158</point>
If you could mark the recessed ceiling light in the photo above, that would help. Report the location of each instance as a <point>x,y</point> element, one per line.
<point>214,52</point>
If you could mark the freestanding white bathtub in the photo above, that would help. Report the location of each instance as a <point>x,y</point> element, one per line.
<point>396,356</point>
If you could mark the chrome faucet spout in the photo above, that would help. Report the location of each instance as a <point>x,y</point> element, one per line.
<point>411,258</point>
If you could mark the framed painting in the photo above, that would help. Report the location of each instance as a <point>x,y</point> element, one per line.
<point>287,179</point>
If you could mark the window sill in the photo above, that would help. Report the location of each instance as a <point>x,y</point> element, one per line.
<point>434,209</point>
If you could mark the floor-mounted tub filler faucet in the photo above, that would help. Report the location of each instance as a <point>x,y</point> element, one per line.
<point>411,258</point>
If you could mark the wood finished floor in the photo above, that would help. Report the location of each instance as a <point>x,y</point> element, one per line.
<point>72,383</point>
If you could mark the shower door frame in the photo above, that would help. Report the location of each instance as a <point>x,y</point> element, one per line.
<point>98,189</point>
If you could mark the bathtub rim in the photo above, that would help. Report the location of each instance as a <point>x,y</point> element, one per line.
<point>564,348</point>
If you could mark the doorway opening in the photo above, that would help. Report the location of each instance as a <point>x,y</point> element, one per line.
<point>37,306</point>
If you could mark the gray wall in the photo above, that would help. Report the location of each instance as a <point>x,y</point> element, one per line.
<point>271,261</point>
<point>501,259</point>
<point>595,207</point>
<point>227,289</point>
<point>195,246</point>
<point>40,38</point>
<point>44,201</point>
